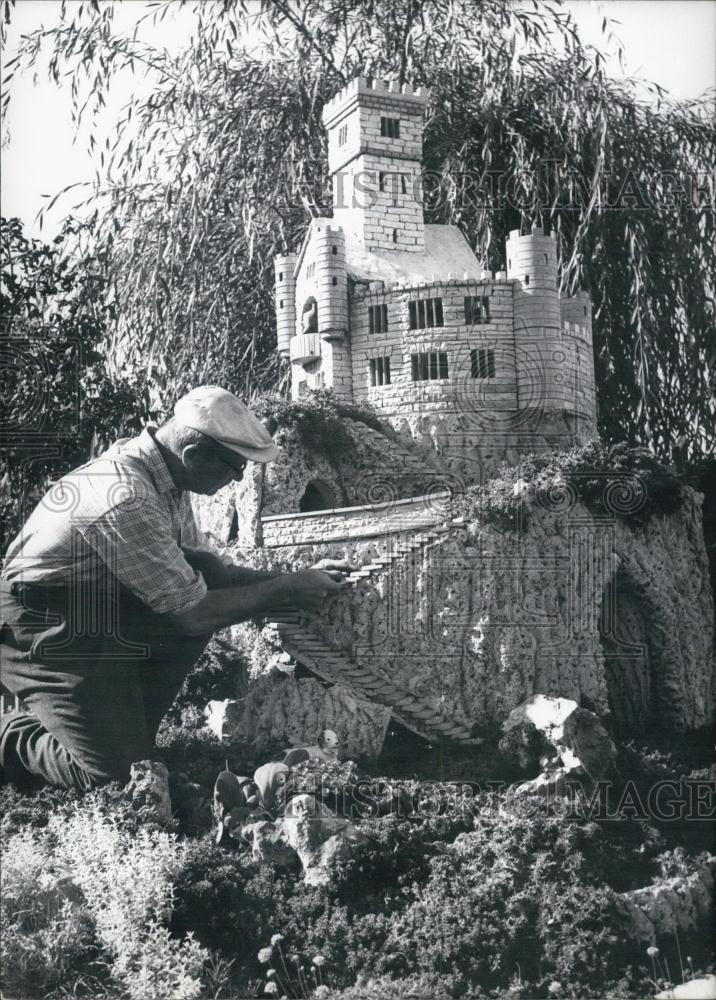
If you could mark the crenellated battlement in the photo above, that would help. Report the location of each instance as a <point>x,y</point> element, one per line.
<point>409,319</point>
<point>328,229</point>
<point>371,88</point>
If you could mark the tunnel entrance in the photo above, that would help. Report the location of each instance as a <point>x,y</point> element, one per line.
<point>318,495</point>
<point>626,632</point>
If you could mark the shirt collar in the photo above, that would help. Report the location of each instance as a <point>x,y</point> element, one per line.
<point>154,461</point>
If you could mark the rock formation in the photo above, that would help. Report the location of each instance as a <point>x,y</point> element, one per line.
<point>566,742</point>
<point>449,626</point>
<point>309,831</point>
<point>148,790</point>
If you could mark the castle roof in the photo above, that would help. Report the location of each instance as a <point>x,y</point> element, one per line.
<point>446,252</point>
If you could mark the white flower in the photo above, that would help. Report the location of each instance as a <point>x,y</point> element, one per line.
<point>319,960</point>
<point>270,988</point>
<point>276,939</point>
<point>265,955</point>
<point>652,952</point>
<point>320,992</point>
<point>554,988</point>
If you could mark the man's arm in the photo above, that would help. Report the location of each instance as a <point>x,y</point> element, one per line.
<point>308,590</point>
<point>242,576</point>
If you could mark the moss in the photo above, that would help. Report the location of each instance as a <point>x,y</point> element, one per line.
<point>319,419</point>
<point>614,480</point>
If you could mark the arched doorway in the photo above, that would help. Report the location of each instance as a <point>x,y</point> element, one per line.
<point>318,495</point>
<point>626,634</point>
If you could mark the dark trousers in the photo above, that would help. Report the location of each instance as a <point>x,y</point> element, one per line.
<point>98,672</point>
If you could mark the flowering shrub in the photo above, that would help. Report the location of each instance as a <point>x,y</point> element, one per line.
<point>96,885</point>
<point>46,936</point>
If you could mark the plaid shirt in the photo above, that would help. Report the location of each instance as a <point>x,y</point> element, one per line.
<point>122,513</point>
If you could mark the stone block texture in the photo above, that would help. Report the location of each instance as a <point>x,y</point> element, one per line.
<point>511,373</point>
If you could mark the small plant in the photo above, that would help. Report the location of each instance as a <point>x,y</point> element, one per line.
<point>87,886</point>
<point>293,974</point>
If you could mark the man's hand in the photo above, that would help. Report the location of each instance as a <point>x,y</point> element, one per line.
<point>308,589</point>
<point>337,569</point>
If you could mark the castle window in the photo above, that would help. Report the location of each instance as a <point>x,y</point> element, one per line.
<point>403,184</point>
<point>482,362</point>
<point>334,280</point>
<point>342,135</point>
<point>428,366</point>
<point>334,250</point>
<point>378,318</point>
<point>390,127</point>
<point>425,313</point>
<point>546,259</point>
<point>311,270</point>
<point>379,371</point>
<point>280,275</point>
<point>395,236</point>
<point>585,310</point>
<point>381,181</point>
<point>280,305</point>
<point>477,309</point>
<point>527,279</point>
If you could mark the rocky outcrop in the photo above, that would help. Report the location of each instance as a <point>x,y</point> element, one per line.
<point>148,791</point>
<point>672,905</point>
<point>566,742</point>
<point>289,712</point>
<point>308,831</point>
<point>695,989</point>
<point>470,626</point>
<point>376,466</point>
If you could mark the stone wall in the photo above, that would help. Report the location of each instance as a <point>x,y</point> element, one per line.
<point>375,471</point>
<point>472,626</point>
<point>538,399</point>
<point>353,522</point>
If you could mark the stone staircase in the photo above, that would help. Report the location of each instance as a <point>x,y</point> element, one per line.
<point>308,648</point>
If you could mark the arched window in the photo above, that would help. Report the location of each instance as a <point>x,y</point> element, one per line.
<point>309,316</point>
<point>318,495</point>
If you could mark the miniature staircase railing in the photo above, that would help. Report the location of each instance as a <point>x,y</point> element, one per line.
<point>332,665</point>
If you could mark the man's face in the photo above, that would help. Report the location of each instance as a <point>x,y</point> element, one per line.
<point>211,467</point>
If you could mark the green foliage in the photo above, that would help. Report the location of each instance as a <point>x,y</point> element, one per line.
<point>318,419</point>
<point>62,403</point>
<point>223,163</point>
<point>616,480</point>
<point>105,889</point>
<point>47,937</point>
<point>515,895</point>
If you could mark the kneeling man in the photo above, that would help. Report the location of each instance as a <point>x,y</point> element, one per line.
<point>110,593</point>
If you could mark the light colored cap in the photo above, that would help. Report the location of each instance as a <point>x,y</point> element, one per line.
<point>222,416</point>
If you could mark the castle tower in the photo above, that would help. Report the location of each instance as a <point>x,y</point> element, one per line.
<point>577,327</point>
<point>319,349</point>
<point>285,301</point>
<point>541,357</point>
<point>375,149</point>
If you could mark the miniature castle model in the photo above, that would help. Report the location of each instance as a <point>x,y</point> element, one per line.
<point>384,309</point>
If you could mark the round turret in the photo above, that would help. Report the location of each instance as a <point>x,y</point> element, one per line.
<point>329,253</point>
<point>532,260</point>
<point>285,301</point>
<point>543,365</point>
